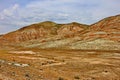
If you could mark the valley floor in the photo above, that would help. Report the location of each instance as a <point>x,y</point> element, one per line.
<point>59,65</point>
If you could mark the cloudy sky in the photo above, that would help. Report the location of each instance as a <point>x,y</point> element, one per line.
<point>18,13</point>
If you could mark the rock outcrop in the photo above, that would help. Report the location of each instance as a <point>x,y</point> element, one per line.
<point>71,29</point>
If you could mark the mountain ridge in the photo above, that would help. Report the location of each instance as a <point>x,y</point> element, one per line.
<point>108,28</point>
<point>49,34</point>
<point>38,30</point>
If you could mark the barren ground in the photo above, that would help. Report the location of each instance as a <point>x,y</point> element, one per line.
<point>59,65</point>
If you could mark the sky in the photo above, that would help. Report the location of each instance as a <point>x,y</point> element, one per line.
<point>15,14</point>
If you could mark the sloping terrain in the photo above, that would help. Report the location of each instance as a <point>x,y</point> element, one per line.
<point>42,30</point>
<point>97,44</point>
<point>51,51</point>
<point>30,32</point>
<point>104,34</point>
<point>108,28</point>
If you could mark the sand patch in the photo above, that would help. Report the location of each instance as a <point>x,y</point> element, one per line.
<point>96,61</point>
<point>32,58</point>
<point>54,64</point>
<point>22,52</point>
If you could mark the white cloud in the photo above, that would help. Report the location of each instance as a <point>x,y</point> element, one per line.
<point>15,7</point>
<point>9,12</point>
<point>61,11</point>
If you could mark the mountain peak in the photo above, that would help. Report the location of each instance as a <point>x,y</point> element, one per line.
<point>75,23</point>
<point>45,24</point>
<point>48,22</point>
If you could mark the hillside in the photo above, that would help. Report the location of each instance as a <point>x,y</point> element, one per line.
<point>42,30</point>
<point>104,34</point>
<point>51,51</point>
<point>97,44</point>
<point>108,28</point>
<point>30,32</point>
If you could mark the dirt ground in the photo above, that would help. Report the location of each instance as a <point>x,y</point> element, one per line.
<point>59,65</point>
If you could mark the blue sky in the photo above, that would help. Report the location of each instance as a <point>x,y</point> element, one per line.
<point>15,14</point>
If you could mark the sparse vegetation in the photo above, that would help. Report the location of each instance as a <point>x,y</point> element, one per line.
<point>76,62</point>
<point>24,53</point>
<point>60,78</point>
<point>76,77</point>
<point>27,75</point>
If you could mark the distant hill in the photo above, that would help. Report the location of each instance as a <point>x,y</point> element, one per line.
<point>42,30</point>
<point>108,28</point>
<point>104,34</point>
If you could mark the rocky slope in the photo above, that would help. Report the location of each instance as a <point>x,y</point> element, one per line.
<point>43,30</point>
<point>101,35</point>
<point>108,28</point>
<point>30,32</point>
<point>71,29</point>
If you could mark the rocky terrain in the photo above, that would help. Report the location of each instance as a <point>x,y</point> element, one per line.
<point>52,35</point>
<point>107,28</point>
<point>72,51</point>
<point>43,30</point>
<point>33,64</point>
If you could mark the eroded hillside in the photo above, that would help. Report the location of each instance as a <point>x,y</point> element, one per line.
<point>104,34</point>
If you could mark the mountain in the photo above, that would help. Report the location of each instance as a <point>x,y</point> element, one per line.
<point>108,28</point>
<point>30,32</point>
<point>112,22</point>
<point>42,30</point>
<point>104,35</point>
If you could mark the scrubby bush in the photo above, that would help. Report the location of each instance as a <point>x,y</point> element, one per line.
<point>77,77</point>
<point>60,78</point>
